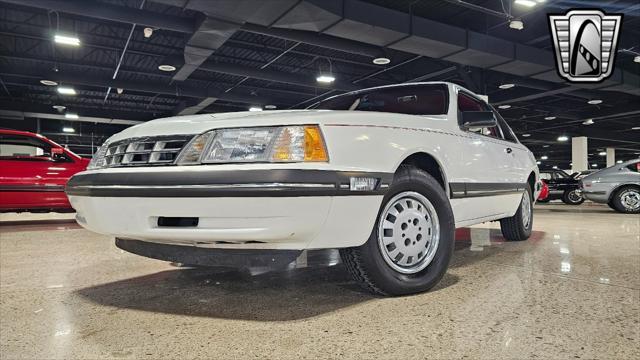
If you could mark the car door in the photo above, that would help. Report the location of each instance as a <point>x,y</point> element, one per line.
<point>30,177</point>
<point>488,160</point>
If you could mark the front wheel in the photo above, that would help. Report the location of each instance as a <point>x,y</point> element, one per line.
<point>627,200</point>
<point>518,227</point>
<point>412,239</point>
<point>572,197</point>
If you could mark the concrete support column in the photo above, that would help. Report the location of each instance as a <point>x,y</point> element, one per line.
<point>611,157</point>
<point>579,154</point>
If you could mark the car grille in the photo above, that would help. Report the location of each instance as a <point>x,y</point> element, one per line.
<point>145,151</point>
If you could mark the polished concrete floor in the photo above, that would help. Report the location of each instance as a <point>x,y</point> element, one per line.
<point>571,291</point>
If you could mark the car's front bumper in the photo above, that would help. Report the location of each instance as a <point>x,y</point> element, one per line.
<point>240,209</point>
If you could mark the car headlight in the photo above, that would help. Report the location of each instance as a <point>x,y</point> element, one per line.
<point>259,144</point>
<point>98,159</point>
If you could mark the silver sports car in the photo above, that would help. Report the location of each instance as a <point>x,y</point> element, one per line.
<point>618,186</point>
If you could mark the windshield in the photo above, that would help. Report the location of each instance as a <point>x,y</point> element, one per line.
<point>429,99</point>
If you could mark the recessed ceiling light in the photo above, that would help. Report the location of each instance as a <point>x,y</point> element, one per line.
<point>506,86</point>
<point>602,153</point>
<point>527,3</point>
<point>550,118</point>
<point>255,108</point>
<point>71,116</point>
<point>60,108</point>
<point>270,107</point>
<point>381,61</point>
<point>516,24</point>
<point>326,79</point>
<point>48,82</point>
<point>588,122</point>
<point>563,138</point>
<point>68,129</point>
<point>66,90</point>
<point>166,67</point>
<point>66,40</point>
<point>526,135</point>
<point>594,102</point>
<point>544,157</point>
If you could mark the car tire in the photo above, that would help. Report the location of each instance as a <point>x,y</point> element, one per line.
<point>626,200</point>
<point>380,265</point>
<point>518,227</point>
<point>572,197</point>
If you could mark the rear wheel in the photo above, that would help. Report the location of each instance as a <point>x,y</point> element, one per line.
<point>412,240</point>
<point>572,197</point>
<point>627,200</point>
<point>518,227</point>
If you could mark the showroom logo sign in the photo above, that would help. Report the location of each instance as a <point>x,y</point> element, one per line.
<point>585,43</point>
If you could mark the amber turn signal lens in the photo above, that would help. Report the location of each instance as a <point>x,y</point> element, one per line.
<point>314,147</point>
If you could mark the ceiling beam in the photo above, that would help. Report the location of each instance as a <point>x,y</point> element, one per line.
<point>20,115</point>
<point>104,11</point>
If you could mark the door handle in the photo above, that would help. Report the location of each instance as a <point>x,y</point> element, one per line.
<point>509,150</point>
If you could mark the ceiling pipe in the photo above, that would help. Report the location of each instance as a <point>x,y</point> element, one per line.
<point>124,14</point>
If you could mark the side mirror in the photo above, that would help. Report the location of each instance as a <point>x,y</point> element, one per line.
<point>478,119</point>
<point>57,153</point>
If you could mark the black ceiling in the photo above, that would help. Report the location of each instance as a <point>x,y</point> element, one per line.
<point>28,54</point>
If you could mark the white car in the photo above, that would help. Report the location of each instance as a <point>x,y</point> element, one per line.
<point>384,174</point>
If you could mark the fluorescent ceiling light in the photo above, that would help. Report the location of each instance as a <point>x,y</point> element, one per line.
<point>60,108</point>
<point>544,157</point>
<point>327,79</point>
<point>48,82</point>
<point>270,107</point>
<point>381,61</point>
<point>594,102</point>
<point>516,24</point>
<point>588,122</point>
<point>66,90</point>
<point>504,107</point>
<point>66,40</point>
<point>506,86</point>
<point>527,3</point>
<point>68,129</point>
<point>526,135</point>
<point>619,162</point>
<point>71,116</point>
<point>550,118</point>
<point>635,128</point>
<point>255,108</point>
<point>555,166</point>
<point>602,153</point>
<point>545,146</point>
<point>166,67</point>
<point>563,138</point>
<point>594,165</point>
<point>538,162</point>
<point>636,59</point>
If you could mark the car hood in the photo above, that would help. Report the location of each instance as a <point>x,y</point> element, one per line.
<point>196,124</point>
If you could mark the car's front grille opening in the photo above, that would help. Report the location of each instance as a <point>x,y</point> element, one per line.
<point>145,151</point>
<point>177,221</point>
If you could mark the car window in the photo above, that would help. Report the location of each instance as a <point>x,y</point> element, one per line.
<point>545,176</point>
<point>561,175</point>
<point>468,103</point>
<point>409,99</point>
<point>634,167</point>
<point>24,148</point>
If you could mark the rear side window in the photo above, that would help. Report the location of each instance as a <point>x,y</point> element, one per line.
<point>634,167</point>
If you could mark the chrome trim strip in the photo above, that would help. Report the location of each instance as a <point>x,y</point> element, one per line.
<point>209,186</point>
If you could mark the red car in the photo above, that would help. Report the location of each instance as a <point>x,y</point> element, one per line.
<point>34,171</point>
<point>544,192</point>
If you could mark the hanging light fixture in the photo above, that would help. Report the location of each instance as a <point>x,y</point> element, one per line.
<point>326,77</point>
